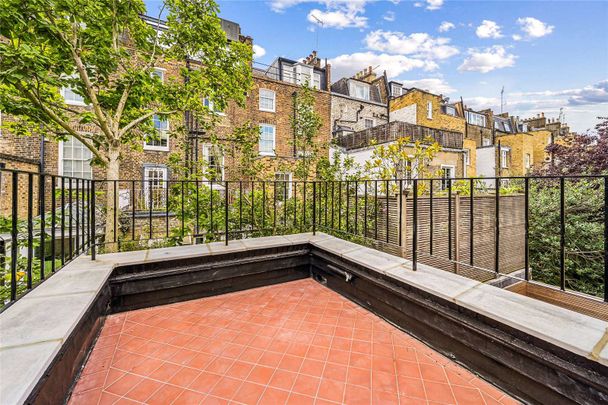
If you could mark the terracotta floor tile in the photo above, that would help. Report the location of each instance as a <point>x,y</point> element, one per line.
<point>283,379</point>
<point>124,384</point>
<point>439,392</point>
<point>144,390</point>
<point>185,377</point>
<point>291,343</point>
<point>331,390</point>
<point>249,393</point>
<point>165,395</point>
<point>274,396</point>
<point>261,374</point>
<point>306,385</point>
<point>226,387</point>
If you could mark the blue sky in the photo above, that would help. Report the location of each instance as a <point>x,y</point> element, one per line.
<point>547,54</point>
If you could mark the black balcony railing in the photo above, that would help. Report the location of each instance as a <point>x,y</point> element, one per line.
<point>397,129</point>
<point>545,228</point>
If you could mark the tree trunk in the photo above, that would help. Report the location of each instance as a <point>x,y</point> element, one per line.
<point>112,177</point>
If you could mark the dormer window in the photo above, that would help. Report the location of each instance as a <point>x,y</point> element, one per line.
<point>395,90</point>
<point>449,110</point>
<point>474,118</point>
<point>359,90</point>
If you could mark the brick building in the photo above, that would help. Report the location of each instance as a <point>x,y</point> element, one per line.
<point>359,102</point>
<point>270,105</point>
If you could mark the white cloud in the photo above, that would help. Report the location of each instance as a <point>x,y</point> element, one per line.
<point>581,105</point>
<point>488,29</point>
<point>389,16</point>
<point>486,60</point>
<point>340,15</point>
<point>446,26</point>
<point>430,4</point>
<point>417,44</point>
<point>432,84</point>
<point>348,64</point>
<point>532,28</point>
<point>258,51</point>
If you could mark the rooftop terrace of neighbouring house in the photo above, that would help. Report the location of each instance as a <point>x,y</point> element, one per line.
<point>270,303</point>
<point>394,130</point>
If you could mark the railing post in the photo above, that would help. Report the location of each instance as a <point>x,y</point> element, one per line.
<point>562,234</point>
<point>527,228</point>
<point>497,227</point>
<point>314,207</point>
<point>457,233</point>
<point>93,228</point>
<point>226,213</point>
<point>415,227</point>
<point>14,235</point>
<point>41,207</point>
<point>605,238</point>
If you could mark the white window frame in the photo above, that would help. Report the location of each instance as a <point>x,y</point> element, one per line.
<point>353,86</point>
<point>316,80</point>
<point>467,156</point>
<point>486,142</point>
<point>288,180</point>
<point>429,110</point>
<point>72,102</point>
<point>159,148</point>
<point>449,110</point>
<point>162,73</point>
<point>274,140</point>
<point>469,118</point>
<point>527,161</point>
<point>207,150</point>
<point>211,105</point>
<point>268,94</point>
<point>163,184</point>
<point>288,73</point>
<point>444,183</point>
<point>304,74</point>
<point>395,90</point>
<point>365,120</point>
<point>60,158</point>
<point>504,157</point>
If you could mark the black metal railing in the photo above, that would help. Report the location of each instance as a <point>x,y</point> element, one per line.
<point>45,222</point>
<point>548,229</point>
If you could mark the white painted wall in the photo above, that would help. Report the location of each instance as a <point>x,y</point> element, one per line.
<point>405,114</point>
<point>486,163</point>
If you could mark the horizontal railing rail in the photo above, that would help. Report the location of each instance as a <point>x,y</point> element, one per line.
<point>482,228</point>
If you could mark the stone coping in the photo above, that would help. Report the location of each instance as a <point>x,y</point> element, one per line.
<point>33,329</point>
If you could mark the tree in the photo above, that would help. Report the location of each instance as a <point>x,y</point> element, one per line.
<point>305,124</point>
<point>580,153</point>
<point>402,160</point>
<point>104,52</point>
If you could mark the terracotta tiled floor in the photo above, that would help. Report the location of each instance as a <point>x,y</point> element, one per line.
<point>294,343</point>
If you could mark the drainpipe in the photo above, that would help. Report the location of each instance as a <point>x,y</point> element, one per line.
<point>41,164</point>
<point>295,99</point>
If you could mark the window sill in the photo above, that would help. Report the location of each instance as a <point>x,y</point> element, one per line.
<point>268,110</point>
<point>271,154</point>
<point>156,148</point>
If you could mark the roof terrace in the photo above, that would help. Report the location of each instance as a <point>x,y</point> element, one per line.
<point>243,314</point>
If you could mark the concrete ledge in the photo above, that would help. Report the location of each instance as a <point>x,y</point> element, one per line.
<point>36,329</point>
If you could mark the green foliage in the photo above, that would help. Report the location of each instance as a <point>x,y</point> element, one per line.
<point>305,124</point>
<point>106,53</point>
<point>584,234</point>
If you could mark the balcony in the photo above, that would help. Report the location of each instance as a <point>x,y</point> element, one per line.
<point>270,300</point>
<point>397,129</point>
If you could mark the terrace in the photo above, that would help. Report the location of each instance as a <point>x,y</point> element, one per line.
<point>394,130</point>
<point>270,300</point>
